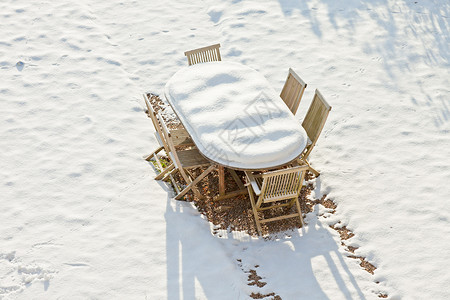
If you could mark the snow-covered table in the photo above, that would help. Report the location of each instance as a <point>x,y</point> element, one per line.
<point>234,117</point>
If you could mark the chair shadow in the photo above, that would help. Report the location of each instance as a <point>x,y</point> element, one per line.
<point>295,256</point>
<point>298,259</point>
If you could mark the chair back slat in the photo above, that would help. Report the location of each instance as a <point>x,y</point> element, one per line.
<point>275,186</point>
<point>217,53</point>
<point>282,184</point>
<point>264,186</point>
<point>315,119</point>
<point>292,91</point>
<point>205,54</point>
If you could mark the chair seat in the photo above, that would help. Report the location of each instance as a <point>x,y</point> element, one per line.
<point>256,182</point>
<point>191,159</point>
<point>180,137</point>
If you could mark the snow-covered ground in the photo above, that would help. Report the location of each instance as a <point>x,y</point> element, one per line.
<point>83,218</point>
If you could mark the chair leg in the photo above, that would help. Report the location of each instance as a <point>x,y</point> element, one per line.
<point>314,171</point>
<point>188,181</point>
<point>184,173</point>
<point>194,182</point>
<point>174,183</point>
<point>149,157</point>
<point>194,187</point>
<point>290,203</point>
<point>166,176</point>
<point>299,211</point>
<point>255,212</point>
<point>164,172</point>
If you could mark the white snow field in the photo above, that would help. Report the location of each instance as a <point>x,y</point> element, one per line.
<point>82,218</point>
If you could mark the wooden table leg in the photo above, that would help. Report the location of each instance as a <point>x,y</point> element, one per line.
<point>221,171</point>
<point>222,195</point>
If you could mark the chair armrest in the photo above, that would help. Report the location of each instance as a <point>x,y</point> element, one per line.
<point>252,180</point>
<point>158,138</point>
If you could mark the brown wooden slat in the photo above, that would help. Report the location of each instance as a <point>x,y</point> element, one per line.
<point>273,206</point>
<point>280,218</point>
<point>194,182</point>
<point>164,172</point>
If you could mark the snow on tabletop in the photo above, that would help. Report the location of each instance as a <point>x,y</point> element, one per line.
<point>234,116</point>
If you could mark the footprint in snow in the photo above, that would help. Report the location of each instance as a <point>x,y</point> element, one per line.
<point>17,276</point>
<point>19,65</point>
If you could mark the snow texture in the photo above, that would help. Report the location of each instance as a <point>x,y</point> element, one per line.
<point>82,217</point>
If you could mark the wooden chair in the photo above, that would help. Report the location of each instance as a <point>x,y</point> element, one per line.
<point>292,91</point>
<point>205,54</point>
<point>313,124</point>
<point>276,189</point>
<point>183,161</point>
<point>180,138</point>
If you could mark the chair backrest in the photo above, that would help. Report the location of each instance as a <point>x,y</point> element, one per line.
<point>315,120</point>
<point>147,103</point>
<point>172,152</point>
<point>151,112</point>
<point>292,91</point>
<point>282,184</point>
<point>205,54</point>
<point>156,123</point>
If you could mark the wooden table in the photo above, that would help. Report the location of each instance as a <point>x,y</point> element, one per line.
<point>235,118</point>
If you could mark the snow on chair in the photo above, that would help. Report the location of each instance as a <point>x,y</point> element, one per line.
<point>313,124</point>
<point>292,91</point>
<point>275,189</point>
<point>205,54</point>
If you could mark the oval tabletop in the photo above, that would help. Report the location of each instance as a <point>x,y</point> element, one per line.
<point>234,117</point>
